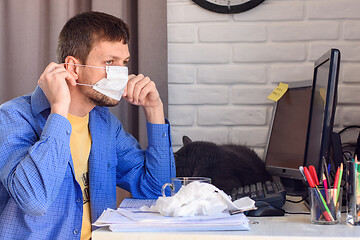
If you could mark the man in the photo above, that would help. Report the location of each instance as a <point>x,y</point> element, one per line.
<point>62,151</point>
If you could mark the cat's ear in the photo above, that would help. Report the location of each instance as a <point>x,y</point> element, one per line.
<point>186,140</point>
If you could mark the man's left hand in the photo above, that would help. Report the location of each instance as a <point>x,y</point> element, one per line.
<point>141,91</point>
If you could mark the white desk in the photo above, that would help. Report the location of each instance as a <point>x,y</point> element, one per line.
<point>295,227</point>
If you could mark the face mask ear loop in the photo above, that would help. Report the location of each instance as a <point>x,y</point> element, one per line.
<point>82,84</point>
<point>81,65</point>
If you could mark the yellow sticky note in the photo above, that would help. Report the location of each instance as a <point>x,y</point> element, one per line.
<point>278,92</point>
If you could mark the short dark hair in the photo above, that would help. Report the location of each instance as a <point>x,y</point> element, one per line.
<point>83,30</point>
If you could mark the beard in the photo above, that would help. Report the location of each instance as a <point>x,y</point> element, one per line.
<point>96,97</point>
<point>100,99</point>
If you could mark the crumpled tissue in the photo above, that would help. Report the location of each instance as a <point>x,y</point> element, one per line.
<point>199,198</point>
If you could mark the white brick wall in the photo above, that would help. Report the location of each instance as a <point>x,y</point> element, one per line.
<point>223,66</point>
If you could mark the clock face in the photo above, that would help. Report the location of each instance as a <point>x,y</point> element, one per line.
<point>228,6</point>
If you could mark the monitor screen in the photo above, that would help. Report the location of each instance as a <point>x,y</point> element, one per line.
<point>302,121</point>
<point>322,111</point>
<point>286,143</point>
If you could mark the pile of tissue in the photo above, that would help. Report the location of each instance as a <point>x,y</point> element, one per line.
<point>199,198</point>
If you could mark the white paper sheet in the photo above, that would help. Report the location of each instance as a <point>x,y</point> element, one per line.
<point>128,217</point>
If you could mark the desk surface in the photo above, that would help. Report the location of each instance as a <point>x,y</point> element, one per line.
<point>288,227</point>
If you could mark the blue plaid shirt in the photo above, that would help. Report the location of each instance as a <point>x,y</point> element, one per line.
<point>39,195</point>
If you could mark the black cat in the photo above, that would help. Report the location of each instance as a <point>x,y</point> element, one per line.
<point>228,166</point>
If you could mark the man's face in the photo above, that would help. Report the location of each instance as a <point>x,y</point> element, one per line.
<point>103,53</point>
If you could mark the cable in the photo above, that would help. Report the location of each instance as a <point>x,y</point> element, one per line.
<point>297,201</point>
<point>348,127</point>
<point>305,213</point>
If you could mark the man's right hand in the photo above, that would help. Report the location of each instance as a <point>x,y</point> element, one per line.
<point>54,83</point>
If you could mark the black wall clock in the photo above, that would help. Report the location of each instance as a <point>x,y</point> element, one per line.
<point>228,6</point>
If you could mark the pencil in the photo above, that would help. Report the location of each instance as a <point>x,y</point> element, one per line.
<point>336,183</point>
<point>339,183</point>
<point>325,205</point>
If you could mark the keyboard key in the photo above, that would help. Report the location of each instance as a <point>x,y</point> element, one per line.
<point>272,192</point>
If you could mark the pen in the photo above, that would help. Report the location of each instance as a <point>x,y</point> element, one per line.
<point>308,177</point>
<point>326,188</point>
<point>314,175</point>
<point>326,212</point>
<point>326,170</point>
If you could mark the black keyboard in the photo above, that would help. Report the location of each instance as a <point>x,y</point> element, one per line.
<point>272,192</point>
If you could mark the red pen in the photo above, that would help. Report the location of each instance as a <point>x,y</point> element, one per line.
<point>309,178</point>
<point>314,175</point>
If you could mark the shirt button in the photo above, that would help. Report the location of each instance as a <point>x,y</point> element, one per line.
<point>76,231</point>
<point>78,200</point>
<point>68,132</point>
<point>164,134</point>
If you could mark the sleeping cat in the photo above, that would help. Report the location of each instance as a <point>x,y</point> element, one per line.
<point>228,166</point>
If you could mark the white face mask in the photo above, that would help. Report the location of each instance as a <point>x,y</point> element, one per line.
<point>113,84</point>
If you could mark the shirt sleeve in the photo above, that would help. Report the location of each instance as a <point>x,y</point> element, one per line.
<point>143,172</point>
<point>32,166</point>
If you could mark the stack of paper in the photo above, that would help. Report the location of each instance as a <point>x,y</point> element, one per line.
<point>128,217</point>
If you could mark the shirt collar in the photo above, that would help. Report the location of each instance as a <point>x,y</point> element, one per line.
<point>39,102</point>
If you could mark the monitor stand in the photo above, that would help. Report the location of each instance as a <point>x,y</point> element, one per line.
<point>294,187</point>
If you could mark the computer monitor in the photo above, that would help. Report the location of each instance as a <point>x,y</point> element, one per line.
<point>285,148</point>
<point>302,122</point>
<point>322,111</point>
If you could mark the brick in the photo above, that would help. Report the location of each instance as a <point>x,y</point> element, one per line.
<point>195,94</point>
<point>232,74</point>
<point>333,9</point>
<point>249,136</point>
<point>351,116</point>
<point>291,72</point>
<point>271,52</point>
<point>351,30</point>
<point>215,134</point>
<point>349,94</point>
<point>233,33</point>
<point>269,11</point>
<point>304,31</point>
<point>251,95</point>
<point>350,72</point>
<point>185,13</point>
<point>338,116</point>
<point>349,51</point>
<point>181,33</point>
<point>181,115</point>
<point>231,116</point>
<point>181,74</point>
<point>198,53</point>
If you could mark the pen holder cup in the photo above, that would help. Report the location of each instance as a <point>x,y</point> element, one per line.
<point>178,182</point>
<point>325,205</point>
<point>353,192</point>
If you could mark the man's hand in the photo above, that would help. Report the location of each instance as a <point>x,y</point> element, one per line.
<point>54,82</point>
<point>141,91</point>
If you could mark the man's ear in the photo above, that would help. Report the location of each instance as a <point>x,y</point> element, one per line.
<point>70,65</point>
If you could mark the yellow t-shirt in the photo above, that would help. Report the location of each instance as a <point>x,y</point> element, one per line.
<point>80,144</point>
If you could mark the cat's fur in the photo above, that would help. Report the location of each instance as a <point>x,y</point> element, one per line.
<point>228,166</point>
